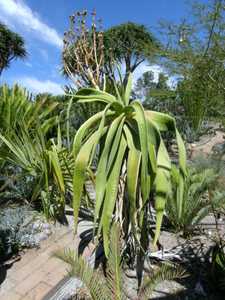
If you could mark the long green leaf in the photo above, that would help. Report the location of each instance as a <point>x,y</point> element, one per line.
<point>133,165</point>
<point>143,134</point>
<point>162,186</point>
<point>99,131</point>
<point>79,176</point>
<point>111,194</point>
<point>91,93</point>
<point>83,130</point>
<point>128,89</point>
<point>101,177</point>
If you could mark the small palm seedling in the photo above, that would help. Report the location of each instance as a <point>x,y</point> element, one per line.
<point>112,285</point>
<point>186,210</point>
<point>131,154</point>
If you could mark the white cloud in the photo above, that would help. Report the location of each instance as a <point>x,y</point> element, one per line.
<point>38,86</point>
<point>17,12</point>
<point>29,65</point>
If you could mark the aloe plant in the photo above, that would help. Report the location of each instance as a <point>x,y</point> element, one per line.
<point>132,152</point>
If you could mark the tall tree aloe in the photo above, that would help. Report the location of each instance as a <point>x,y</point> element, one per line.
<point>131,149</point>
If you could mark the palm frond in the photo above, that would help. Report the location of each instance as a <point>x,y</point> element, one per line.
<point>114,270</point>
<point>165,272</point>
<point>93,280</point>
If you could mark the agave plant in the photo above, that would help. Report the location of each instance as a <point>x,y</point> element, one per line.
<point>185,211</point>
<point>132,159</point>
<point>113,285</point>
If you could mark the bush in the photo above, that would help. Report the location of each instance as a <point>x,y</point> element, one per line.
<point>20,228</point>
<point>186,210</point>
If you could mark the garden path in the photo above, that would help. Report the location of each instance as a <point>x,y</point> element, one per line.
<point>205,145</point>
<point>37,272</point>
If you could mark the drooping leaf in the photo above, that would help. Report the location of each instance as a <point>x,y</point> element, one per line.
<point>79,176</point>
<point>101,177</point>
<point>143,136</point>
<point>162,186</point>
<point>91,94</point>
<point>111,194</point>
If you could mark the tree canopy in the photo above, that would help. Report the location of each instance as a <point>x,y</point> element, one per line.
<point>195,52</point>
<point>129,43</point>
<point>11,47</point>
<point>90,53</point>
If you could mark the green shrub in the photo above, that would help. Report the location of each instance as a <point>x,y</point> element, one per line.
<point>17,230</point>
<point>25,146</point>
<point>186,210</point>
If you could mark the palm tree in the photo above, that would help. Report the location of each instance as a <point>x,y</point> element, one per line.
<point>11,47</point>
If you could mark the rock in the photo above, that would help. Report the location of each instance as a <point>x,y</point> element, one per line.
<point>40,237</point>
<point>48,232</point>
<point>46,226</point>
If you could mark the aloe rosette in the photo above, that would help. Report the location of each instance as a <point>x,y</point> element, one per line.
<point>128,137</point>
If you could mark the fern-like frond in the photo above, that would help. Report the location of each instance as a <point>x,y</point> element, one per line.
<point>165,272</point>
<point>93,280</point>
<point>114,270</point>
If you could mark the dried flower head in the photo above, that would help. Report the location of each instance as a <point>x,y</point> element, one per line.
<point>83,51</point>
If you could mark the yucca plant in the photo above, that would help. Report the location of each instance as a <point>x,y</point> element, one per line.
<point>112,285</point>
<point>46,162</point>
<point>186,210</point>
<point>25,145</point>
<point>17,106</point>
<point>133,164</point>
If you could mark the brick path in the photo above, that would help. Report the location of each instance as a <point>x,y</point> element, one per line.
<point>37,272</point>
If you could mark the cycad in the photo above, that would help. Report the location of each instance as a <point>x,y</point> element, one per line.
<point>186,210</point>
<point>132,151</point>
<point>112,285</point>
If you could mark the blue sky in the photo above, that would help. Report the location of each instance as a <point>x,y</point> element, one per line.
<point>42,23</point>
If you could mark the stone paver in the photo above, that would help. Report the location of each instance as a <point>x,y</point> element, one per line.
<point>11,295</point>
<point>37,272</point>
<point>38,291</point>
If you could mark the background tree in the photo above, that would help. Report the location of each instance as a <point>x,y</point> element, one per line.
<point>91,54</point>
<point>144,85</point>
<point>130,44</point>
<point>11,47</point>
<point>155,94</point>
<point>195,52</point>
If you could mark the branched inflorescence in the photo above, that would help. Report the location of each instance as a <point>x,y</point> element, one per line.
<point>83,51</point>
